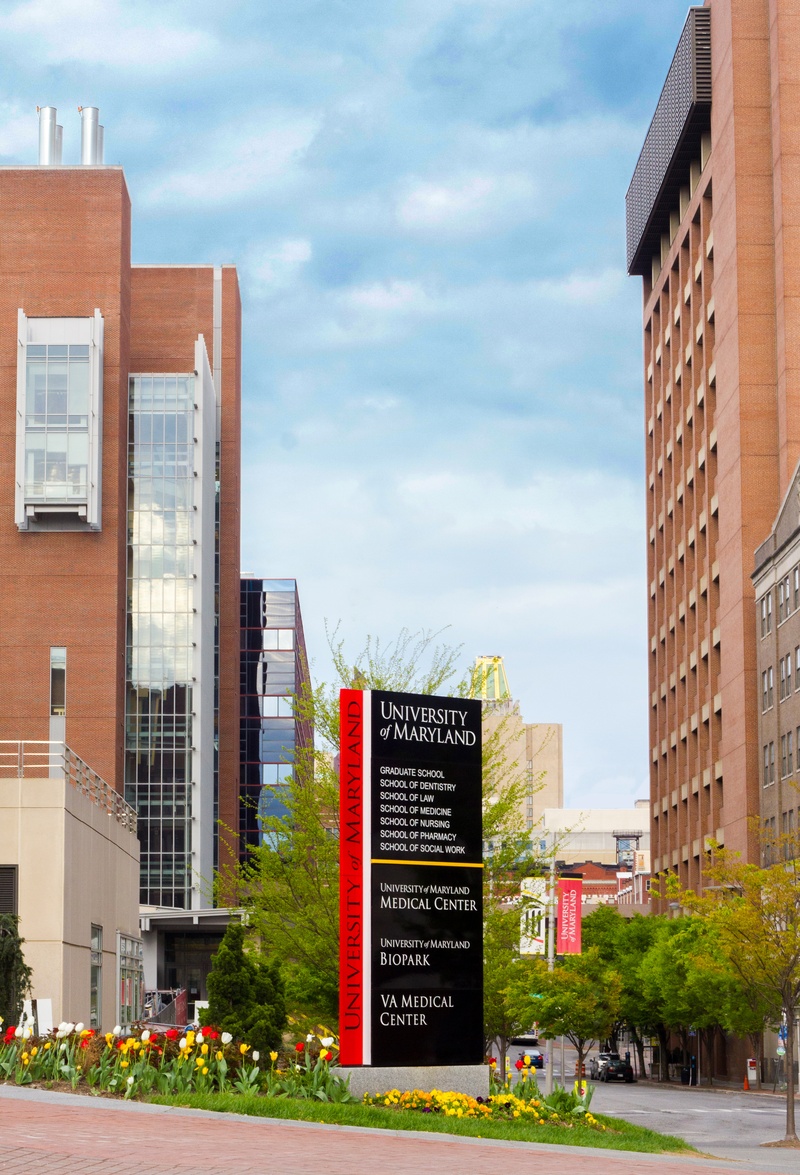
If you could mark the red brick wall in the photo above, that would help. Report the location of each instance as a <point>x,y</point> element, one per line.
<point>64,250</point>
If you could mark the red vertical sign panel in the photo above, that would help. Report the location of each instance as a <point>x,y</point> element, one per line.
<point>353,903</point>
<point>569,916</point>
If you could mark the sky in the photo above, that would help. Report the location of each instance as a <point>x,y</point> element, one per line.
<point>442,378</point>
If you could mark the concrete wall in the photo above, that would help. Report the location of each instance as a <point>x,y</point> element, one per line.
<point>77,866</point>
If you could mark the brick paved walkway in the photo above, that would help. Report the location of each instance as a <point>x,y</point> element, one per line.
<point>65,1134</point>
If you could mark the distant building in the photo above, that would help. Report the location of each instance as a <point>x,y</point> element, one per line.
<point>533,750</point>
<point>777,591</point>
<point>274,669</point>
<point>607,836</point>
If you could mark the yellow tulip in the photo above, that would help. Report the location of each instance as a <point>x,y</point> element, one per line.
<point>34,1051</point>
<point>205,1071</point>
<point>124,1064</point>
<point>244,1048</point>
<point>204,1049</point>
<point>273,1056</point>
<point>48,1045</point>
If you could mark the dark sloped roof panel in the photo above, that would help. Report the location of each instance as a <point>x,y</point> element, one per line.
<point>682,117</point>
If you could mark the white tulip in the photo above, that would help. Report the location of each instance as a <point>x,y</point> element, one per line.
<point>310,1037</point>
<point>146,1035</point>
<point>18,1032</point>
<point>116,1030</point>
<point>182,1042</point>
<point>130,1081</point>
<point>79,1027</point>
<point>226,1038</point>
<point>199,1038</point>
<point>326,1041</point>
<point>256,1055</point>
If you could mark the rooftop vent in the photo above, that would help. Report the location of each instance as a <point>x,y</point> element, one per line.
<point>51,136</point>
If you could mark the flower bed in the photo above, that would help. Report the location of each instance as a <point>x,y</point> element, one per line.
<point>504,1107</point>
<point>144,1062</point>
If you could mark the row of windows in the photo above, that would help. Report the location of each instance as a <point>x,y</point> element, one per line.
<point>787,667</point>
<point>790,745</point>
<point>788,601</point>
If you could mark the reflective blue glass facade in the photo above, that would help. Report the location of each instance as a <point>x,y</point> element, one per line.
<point>274,668</point>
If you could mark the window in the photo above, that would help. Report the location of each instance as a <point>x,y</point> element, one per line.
<point>767,688</point>
<point>796,578</point>
<point>797,668</point>
<point>763,616</point>
<point>59,408</point>
<point>788,660</point>
<point>769,764</point>
<point>96,978</point>
<point>8,889</point>
<point>130,980</point>
<point>781,603</point>
<point>782,674</point>
<point>789,754</point>
<point>770,689</point>
<point>58,682</point>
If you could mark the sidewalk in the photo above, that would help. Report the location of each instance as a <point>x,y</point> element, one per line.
<point>67,1133</point>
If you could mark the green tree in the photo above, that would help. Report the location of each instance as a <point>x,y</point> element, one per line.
<point>15,974</point>
<point>508,982</point>
<point>245,993</point>
<point>580,999</point>
<point>755,912</point>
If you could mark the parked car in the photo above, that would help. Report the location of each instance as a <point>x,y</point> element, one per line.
<point>527,1040</point>
<point>617,1069</point>
<point>598,1063</point>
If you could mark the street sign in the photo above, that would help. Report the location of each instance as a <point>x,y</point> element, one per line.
<point>781,1051</point>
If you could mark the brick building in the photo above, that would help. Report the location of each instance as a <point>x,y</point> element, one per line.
<point>712,211</point>
<point>119,508</point>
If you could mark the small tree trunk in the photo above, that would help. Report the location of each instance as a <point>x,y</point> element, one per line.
<point>663,1037</point>
<point>791,1130</point>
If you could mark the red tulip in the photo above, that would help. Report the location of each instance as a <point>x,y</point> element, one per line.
<point>518,1064</point>
<point>300,1046</point>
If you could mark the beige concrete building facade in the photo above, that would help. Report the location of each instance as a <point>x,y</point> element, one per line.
<point>531,751</point>
<point>69,863</point>
<point>712,218</point>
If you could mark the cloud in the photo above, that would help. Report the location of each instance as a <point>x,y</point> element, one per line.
<point>108,33</point>
<point>466,204</point>
<point>18,129</point>
<point>274,266</point>
<point>241,159</point>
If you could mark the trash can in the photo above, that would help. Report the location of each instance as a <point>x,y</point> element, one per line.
<point>685,1074</point>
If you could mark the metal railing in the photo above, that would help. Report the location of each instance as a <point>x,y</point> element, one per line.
<point>37,759</point>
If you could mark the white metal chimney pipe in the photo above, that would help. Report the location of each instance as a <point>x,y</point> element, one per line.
<point>59,144</point>
<point>47,135</point>
<point>90,119</point>
<point>100,144</point>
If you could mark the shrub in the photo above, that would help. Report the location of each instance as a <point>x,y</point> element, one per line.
<point>245,994</point>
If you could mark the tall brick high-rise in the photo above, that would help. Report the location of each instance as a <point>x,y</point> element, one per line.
<point>119,507</point>
<point>713,211</point>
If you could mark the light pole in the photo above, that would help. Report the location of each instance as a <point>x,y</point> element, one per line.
<point>551,957</point>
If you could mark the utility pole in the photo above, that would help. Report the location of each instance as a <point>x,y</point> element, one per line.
<point>551,958</point>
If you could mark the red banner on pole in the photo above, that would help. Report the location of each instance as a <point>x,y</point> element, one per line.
<point>569,915</point>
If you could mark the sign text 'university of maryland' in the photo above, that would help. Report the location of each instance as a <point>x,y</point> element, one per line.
<point>411,909</point>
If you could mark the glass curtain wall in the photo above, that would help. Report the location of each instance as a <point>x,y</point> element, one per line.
<point>273,669</point>
<point>57,423</point>
<point>158,767</point>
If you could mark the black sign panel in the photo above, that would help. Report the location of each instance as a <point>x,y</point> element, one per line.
<point>426,880</point>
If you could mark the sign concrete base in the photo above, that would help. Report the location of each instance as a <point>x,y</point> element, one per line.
<point>375,1079</point>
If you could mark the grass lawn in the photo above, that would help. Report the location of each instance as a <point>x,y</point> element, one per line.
<point>619,1135</point>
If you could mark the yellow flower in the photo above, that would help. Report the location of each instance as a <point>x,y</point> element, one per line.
<point>48,1045</point>
<point>273,1056</point>
<point>34,1051</point>
<point>205,1070</point>
<point>204,1049</point>
<point>25,1058</point>
<point>244,1048</point>
<point>124,1064</point>
<point>199,1061</point>
<point>219,1056</point>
